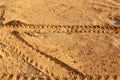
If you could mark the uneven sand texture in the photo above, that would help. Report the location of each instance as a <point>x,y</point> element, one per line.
<point>60,40</point>
<point>70,12</point>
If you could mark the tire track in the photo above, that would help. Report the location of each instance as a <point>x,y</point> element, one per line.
<point>102,77</point>
<point>11,76</point>
<point>18,25</point>
<point>2,12</point>
<point>23,77</point>
<point>16,29</point>
<point>59,64</point>
<point>19,53</point>
<point>91,77</point>
<point>82,76</point>
<point>37,64</point>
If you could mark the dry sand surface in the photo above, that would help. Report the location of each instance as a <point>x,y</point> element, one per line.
<point>38,48</point>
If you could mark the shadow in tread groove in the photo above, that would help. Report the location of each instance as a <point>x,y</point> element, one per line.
<point>16,24</point>
<point>11,76</point>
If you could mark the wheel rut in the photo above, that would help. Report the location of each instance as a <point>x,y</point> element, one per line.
<point>43,62</point>
<point>56,62</point>
<point>11,76</point>
<point>6,46</point>
<point>82,76</point>
<point>23,27</point>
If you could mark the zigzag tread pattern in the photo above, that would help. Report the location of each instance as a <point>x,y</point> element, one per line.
<point>18,25</point>
<point>16,29</point>
<point>11,76</point>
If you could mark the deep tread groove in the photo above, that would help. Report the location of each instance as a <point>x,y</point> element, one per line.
<point>18,77</point>
<point>10,76</point>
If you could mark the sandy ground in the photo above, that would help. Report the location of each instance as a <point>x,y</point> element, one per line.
<point>31,55</point>
<point>70,12</point>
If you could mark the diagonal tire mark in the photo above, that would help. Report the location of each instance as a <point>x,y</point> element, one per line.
<point>57,61</point>
<point>16,50</point>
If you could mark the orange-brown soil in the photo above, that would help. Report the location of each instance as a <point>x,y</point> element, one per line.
<point>60,40</point>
